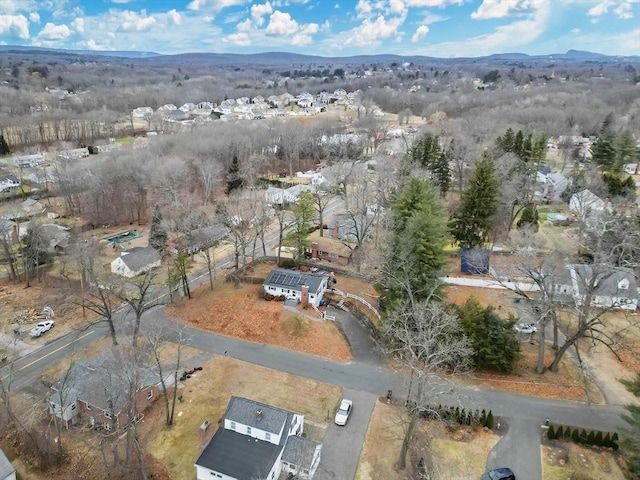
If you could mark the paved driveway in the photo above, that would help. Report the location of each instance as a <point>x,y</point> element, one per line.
<point>519,449</point>
<point>341,446</point>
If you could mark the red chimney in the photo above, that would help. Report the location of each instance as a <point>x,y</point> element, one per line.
<point>259,414</point>
<point>336,230</point>
<point>203,434</point>
<point>304,296</point>
<point>314,250</point>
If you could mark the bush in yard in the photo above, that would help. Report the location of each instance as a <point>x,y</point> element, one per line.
<point>591,438</point>
<point>614,441</point>
<point>567,433</point>
<point>598,439</point>
<point>551,433</point>
<point>606,441</point>
<point>582,439</point>
<point>489,422</point>
<point>268,297</point>
<point>559,433</point>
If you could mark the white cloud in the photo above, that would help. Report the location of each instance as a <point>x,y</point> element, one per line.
<point>133,21</point>
<point>575,30</point>
<point>300,40</point>
<point>281,23</point>
<point>371,32</point>
<point>245,26</point>
<point>34,17</point>
<point>78,24</point>
<point>52,31</point>
<point>621,8</point>
<point>13,6</point>
<point>15,26</point>
<point>421,31</point>
<point>364,9</point>
<point>507,8</point>
<point>259,11</point>
<point>174,17</point>
<point>396,7</point>
<point>240,39</point>
<point>432,3</point>
<point>214,5</point>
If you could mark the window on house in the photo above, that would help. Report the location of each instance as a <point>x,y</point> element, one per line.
<point>73,406</point>
<point>107,426</point>
<point>233,425</point>
<point>107,414</point>
<point>248,430</point>
<point>267,436</point>
<point>87,406</point>
<point>150,395</point>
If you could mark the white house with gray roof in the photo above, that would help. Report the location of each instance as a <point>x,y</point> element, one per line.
<point>294,285</point>
<point>608,287</point>
<point>256,441</point>
<point>135,261</point>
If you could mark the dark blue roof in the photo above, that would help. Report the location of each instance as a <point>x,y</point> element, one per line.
<point>281,277</point>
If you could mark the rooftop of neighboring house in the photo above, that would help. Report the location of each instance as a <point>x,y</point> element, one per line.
<point>332,245</point>
<point>610,281</point>
<point>6,468</point>
<point>102,382</point>
<point>139,257</point>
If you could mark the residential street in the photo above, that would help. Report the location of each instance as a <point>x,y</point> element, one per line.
<point>364,379</point>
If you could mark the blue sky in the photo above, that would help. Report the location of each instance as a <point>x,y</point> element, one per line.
<point>441,28</point>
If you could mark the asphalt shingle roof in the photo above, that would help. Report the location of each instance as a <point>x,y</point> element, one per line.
<point>140,257</point>
<point>280,277</point>
<point>6,468</point>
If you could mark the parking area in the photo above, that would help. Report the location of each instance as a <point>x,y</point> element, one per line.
<point>341,446</point>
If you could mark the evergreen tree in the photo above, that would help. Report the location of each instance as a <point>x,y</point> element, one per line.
<point>234,180</point>
<point>575,436</point>
<point>551,433</point>
<point>442,174</point>
<point>304,211</point>
<point>489,422</point>
<point>559,433</point>
<point>603,151</point>
<point>598,439</point>
<point>494,344</point>
<point>631,441</point>
<point>472,223</point>
<point>419,236</point>
<point>157,234</point>
<point>529,218</point>
<point>507,142</point>
<point>4,147</point>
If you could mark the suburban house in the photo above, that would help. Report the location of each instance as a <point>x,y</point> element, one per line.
<point>304,287</point>
<point>28,161</point>
<point>587,205</point>
<point>8,183</point>
<point>330,249</point>
<point>7,472</point>
<point>74,154</point>
<point>611,287</point>
<point>57,236</point>
<point>553,184</point>
<point>98,392</point>
<point>256,441</point>
<point>135,261</point>
<point>281,196</point>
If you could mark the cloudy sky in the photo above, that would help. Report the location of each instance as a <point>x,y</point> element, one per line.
<point>442,28</point>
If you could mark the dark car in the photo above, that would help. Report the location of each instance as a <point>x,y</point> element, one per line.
<point>499,474</point>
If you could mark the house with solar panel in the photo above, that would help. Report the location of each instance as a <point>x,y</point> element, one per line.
<point>256,441</point>
<point>305,287</point>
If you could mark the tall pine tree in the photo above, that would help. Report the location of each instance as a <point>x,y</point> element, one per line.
<point>157,234</point>
<point>4,147</point>
<point>471,225</point>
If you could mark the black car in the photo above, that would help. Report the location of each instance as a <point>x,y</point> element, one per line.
<point>499,474</point>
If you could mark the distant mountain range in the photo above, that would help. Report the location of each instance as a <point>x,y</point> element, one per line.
<point>284,58</point>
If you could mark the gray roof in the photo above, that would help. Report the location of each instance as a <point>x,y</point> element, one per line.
<point>299,451</point>
<point>243,410</point>
<point>607,280</point>
<point>138,258</point>
<point>280,277</point>
<point>101,382</point>
<point>242,456</point>
<point>239,456</point>
<point>6,468</point>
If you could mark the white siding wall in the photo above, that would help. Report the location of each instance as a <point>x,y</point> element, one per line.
<point>206,474</point>
<point>255,432</point>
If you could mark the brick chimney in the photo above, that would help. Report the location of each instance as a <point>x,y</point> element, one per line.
<point>304,296</point>
<point>204,435</point>
<point>336,230</point>
<point>314,250</point>
<point>259,414</point>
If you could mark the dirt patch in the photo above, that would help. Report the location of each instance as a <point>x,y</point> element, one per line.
<point>243,313</point>
<point>568,460</point>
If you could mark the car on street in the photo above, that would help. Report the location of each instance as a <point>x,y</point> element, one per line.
<point>40,328</point>
<point>344,410</point>
<point>499,474</point>
<point>525,327</point>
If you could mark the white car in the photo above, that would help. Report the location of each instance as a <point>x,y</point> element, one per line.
<point>40,328</point>
<point>525,328</point>
<point>344,410</point>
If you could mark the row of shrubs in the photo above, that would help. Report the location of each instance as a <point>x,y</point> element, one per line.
<point>458,415</point>
<point>581,436</point>
<point>278,298</point>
